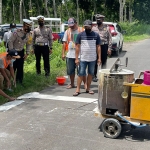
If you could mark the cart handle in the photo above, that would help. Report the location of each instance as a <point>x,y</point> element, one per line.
<point>130,84</point>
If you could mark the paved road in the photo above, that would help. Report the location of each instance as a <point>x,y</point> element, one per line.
<point>54,120</point>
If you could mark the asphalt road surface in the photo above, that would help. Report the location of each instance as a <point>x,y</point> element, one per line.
<point>55,120</point>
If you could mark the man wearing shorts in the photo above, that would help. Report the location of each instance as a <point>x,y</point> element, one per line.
<point>88,47</point>
<point>69,45</point>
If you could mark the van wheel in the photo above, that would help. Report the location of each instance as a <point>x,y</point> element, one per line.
<point>117,51</point>
<point>121,47</point>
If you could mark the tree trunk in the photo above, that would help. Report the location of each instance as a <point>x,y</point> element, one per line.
<point>77,1</point>
<point>130,12</point>
<point>38,7</point>
<point>0,11</point>
<point>46,8</point>
<point>20,10</point>
<point>24,11</point>
<point>125,13</point>
<point>122,3</point>
<point>66,8</point>
<point>30,8</point>
<point>14,16</point>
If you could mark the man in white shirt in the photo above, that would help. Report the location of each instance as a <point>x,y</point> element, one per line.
<point>69,46</point>
<point>8,34</point>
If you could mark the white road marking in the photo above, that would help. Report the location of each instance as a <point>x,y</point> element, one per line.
<point>10,105</point>
<point>60,98</point>
<point>19,100</point>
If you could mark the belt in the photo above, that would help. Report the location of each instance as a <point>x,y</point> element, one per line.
<point>102,43</point>
<point>41,44</point>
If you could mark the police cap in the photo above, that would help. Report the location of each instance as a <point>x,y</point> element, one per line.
<point>12,25</point>
<point>40,18</point>
<point>27,22</point>
<point>99,16</point>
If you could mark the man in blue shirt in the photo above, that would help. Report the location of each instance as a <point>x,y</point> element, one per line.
<point>87,47</point>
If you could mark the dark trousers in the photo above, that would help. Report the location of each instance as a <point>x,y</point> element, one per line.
<point>18,66</point>
<point>104,50</point>
<point>42,51</point>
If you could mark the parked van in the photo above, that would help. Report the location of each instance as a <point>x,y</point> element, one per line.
<point>5,27</point>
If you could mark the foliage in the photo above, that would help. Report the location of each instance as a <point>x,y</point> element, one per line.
<point>33,82</point>
<point>67,8</point>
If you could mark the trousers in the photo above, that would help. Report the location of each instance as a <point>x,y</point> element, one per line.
<point>104,50</point>
<point>44,52</point>
<point>18,66</point>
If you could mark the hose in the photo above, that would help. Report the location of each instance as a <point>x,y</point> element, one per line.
<point>119,115</point>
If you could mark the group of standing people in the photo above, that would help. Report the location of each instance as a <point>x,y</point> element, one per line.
<point>86,49</point>
<point>12,61</point>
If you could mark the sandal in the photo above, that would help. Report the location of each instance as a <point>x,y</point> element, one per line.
<point>76,93</point>
<point>90,92</point>
<point>70,86</point>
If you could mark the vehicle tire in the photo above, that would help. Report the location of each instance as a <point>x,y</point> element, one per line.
<point>111,128</point>
<point>121,47</point>
<point>117,51</point>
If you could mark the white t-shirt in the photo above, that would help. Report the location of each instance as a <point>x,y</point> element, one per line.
<point>6,37</point>
<point>71,44</point>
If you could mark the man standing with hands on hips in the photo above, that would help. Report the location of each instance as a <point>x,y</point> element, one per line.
<point>16,42</point>
<point>42,45</point>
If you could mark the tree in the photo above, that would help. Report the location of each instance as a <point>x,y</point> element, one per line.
<point>0,11</point>
<point>122,4</point>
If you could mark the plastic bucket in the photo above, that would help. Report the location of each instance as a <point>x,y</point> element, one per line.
<point>61,80</point>
<point>146,78</point>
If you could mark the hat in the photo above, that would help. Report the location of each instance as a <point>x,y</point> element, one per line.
<point>27,22</point>
<point>40,18</point>
<point>99,16</point>
<point>71,22</point>
<point>88,23</point>
<point>12,25</point>
<point>13,53</point>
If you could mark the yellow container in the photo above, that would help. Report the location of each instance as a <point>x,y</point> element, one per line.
<point>140,102</point>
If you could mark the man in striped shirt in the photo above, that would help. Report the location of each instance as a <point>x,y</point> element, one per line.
<point>88,47</point>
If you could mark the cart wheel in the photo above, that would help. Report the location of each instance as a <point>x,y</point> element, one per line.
<point>111,128</point>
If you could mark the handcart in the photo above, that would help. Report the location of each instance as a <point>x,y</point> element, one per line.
<point>121,99</point>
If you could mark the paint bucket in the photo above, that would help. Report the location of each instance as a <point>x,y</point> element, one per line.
<point>146,78</point>
<point>61,80</point>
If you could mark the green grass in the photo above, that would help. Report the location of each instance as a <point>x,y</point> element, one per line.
<point>33,82</point>
<point>135,31</point>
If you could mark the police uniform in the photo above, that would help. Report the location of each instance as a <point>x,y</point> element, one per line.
<point>42,42</point>
<point>106,41</point>
<point>17,41</point>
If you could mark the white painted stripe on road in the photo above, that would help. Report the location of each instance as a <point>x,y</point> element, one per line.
<point>10,105</point>
<point>60,98</point>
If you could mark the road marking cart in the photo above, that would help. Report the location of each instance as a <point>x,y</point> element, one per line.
<point>121,99</point>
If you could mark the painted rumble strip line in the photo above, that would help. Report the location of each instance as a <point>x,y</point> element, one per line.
<point>20,100</point>
<point>10,105</point>
<point>54,97</point>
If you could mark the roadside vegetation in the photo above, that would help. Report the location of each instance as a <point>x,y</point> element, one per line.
<point>34,83</point>
<point>135,31</point>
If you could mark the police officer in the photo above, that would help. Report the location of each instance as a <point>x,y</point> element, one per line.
<point>42,42</point>
<point>17,41</point>
<point>106,41</point>
<point>8,34</point>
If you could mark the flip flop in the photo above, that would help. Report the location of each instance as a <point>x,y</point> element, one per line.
<point>90,92</point>
<point>76,93</point>
<point>70,86</point>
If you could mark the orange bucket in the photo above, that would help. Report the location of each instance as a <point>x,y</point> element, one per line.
<point>61,80</point>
